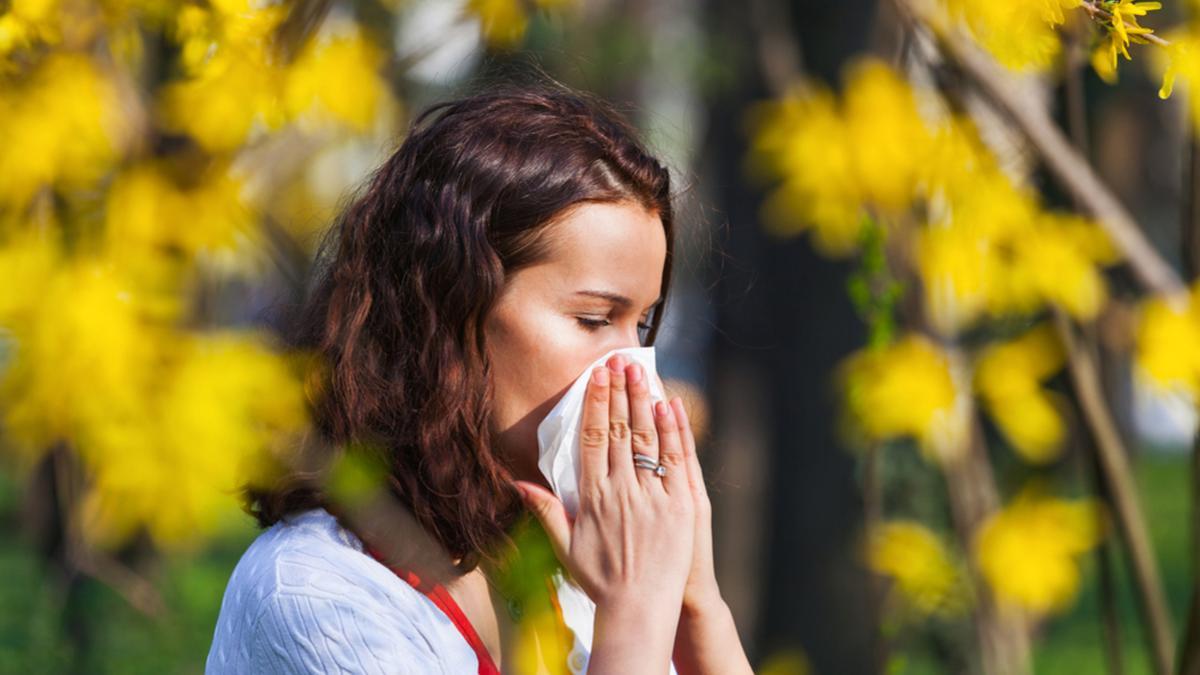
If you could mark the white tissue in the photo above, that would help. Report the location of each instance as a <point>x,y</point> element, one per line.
<point>558,434</point>
<point>558,459</point>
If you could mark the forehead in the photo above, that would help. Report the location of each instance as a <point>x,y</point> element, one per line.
<point>618,244</point>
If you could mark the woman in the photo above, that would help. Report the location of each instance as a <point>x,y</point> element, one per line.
<point>513,238</point>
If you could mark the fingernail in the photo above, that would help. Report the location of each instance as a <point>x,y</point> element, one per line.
<point>617,363</point>
<point>660,409</point>
<point>600,376</point>
<point>635,373</point>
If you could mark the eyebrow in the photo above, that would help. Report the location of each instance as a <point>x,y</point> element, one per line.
<point>615,298</point>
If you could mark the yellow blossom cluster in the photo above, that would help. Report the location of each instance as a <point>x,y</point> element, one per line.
<point>167,423</point>
<point>1028,551</point>
<point>1024,35</point>
<point>1168,343</point>
<point>986,246</point>
<point>1021,35</point>
<point>1008,379</point>
<point>1120,21</point>
<point>61,124</point>
<point>914,558</point>
<point>238,85</point>
<point>837,157</point>
<point>909,388</point>
<point>103,233</point>
<point>27,26</point>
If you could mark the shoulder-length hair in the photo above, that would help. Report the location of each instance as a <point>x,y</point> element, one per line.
<point>413,265</point>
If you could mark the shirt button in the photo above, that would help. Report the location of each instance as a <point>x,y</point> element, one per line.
<point>578,661</point>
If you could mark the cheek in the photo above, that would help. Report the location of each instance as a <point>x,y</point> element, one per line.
<point>534,361</point>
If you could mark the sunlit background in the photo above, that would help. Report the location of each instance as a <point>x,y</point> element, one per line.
<point>935,311</point>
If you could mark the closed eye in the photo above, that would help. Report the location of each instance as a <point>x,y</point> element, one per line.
<point>595,324</point>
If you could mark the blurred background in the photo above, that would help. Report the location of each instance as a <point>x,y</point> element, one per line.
<point>932,305</point>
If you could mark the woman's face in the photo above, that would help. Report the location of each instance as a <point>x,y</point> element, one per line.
<point>600,280</point>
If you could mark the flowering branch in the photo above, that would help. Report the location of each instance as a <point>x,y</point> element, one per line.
<point>1064,162</point>
<point>1098,12</point>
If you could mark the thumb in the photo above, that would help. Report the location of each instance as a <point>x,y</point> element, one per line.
<point>550,512</point>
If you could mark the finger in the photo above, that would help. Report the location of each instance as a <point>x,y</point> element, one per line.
<point>551,513</point>
<point>670,450</point>
<point>620,453</point>
<point>643,434</point>
<point>593,433</point>
<point>691,459</point>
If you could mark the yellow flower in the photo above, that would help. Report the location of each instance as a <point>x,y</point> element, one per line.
<point>27,22</point>
<point>503,22</point>
<point>1007,377</point>
<point>1020,35</point>
<point>1122,28</point>
<point>908,389</point>
<point>232,88</point>
<point>835,158</point>
<point>885,133</point>
<point>1168,343</point>
<point>337,78</point>
<point>990,250</point>
<point>231,98</point>
<point>802,139</point>
<point>225,410</point>
<point>1104,59</point>
<point>1058,266</point>
<point>915,559</point>
<point>543,643</point>
<point>29,259</point>
<point>1124,21</point>
<point>85,357</point>
<point>149,213</point>
<point>1027,551</point>
<point>62,126</point>
<point>1178,62</point>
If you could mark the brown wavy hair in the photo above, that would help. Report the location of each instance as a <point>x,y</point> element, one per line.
<point>413,265</point>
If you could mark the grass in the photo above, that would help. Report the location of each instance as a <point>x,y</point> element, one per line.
<point>1074,642</point>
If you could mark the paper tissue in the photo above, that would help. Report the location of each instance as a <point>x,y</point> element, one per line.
<point>558,434</point>
<point>558,458</point>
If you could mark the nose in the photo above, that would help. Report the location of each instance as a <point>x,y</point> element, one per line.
<point>623,342</point>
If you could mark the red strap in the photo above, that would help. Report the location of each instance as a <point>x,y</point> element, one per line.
<point>442,598</point>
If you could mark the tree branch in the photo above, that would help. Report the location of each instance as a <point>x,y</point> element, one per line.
<point>1071,170</point>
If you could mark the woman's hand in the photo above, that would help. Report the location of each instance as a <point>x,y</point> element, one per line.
<point>707,640</point>
<point>700,593</point>
<point>630,544</point>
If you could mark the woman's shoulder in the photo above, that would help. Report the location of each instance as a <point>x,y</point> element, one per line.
<point>305,597</point>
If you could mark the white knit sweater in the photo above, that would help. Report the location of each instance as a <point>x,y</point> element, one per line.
<point>305,598</point>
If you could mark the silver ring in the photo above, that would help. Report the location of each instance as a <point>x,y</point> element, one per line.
<point>646,462</point>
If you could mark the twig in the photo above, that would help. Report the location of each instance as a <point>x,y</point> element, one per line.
<point>1003,636</point>
<point>1119,479</point>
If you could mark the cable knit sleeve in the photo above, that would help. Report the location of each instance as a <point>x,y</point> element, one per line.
<point>299,633</point>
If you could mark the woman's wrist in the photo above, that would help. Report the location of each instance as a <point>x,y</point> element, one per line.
<point>635,635</point>
<point>703,602</point>
<point>707,640</point>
